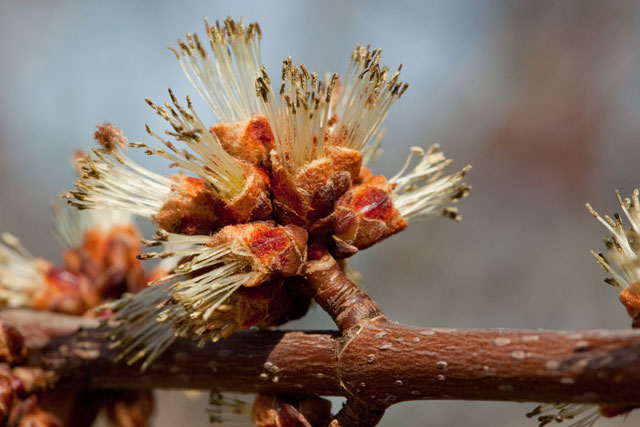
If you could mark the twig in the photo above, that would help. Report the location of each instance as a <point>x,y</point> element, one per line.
<point>386,364</point>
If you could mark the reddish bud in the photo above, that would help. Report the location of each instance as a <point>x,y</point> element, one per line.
<point>191,208</point>
<point>194,208</point>
<point>365,215</point>
<point>278,411</point>
<point>274,251</point>
<point>307,196</point>
<point>130,408</point>
<point>630,298</point>
<point>270,304</point>
<point>12,348</point>
<point>250,140</point>
<point>345,161</point>
<point>610,411</point>
<point>62,291</point>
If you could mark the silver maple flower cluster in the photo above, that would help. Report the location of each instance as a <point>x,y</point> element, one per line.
<point>622,262</point>
<point>280,168</point>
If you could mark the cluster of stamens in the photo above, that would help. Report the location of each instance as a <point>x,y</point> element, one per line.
<point>622,262</point>
<point>578,415</point>
<point>300,118</point>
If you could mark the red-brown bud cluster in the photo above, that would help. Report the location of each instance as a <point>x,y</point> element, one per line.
<point>260,258</point>
<point>306,196</point>
<point>103,267</point>
<point>108,260</point>
<point>18,405</point>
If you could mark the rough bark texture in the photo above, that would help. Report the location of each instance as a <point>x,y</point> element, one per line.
<point>382,364</point>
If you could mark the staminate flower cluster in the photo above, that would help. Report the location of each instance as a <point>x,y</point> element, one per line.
<point>283,167</point>
<point>622,262</point>
<point>100,264</point>
<point>622,258</point>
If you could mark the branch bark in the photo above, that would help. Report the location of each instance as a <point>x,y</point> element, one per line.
<point>383,364</point>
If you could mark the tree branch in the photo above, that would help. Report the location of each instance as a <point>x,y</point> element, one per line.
<point>383,364</point>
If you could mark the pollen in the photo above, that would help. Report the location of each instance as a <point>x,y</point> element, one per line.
<point>110,137</point>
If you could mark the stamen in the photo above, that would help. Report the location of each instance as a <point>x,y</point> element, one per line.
<point>585,415</point>
<point>135,330</point>
<point>20,278</point>
<point>367,93</point>
<point>622,261</point>
<point>299,120</point>
<point>112,180</point>
<point>70,225</point>
<point>110,137</point>
<point>210,162</point>
<point>207,278</point>
<point>424,190</point>
<point>228,409</point>
<point>372,151</point>
<point>226,85</point>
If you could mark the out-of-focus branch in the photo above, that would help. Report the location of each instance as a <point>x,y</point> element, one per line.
<point>387,362</point>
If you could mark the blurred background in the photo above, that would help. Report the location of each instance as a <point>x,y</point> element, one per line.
<point>542,98</point>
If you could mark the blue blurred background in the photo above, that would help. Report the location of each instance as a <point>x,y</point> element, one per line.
<point>542,98</point>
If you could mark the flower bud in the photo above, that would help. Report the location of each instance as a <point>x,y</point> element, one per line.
<point>250,140</point>
<point>366,215</point>
<point>192,208</point>
<point>12,348</point>
<point>377,208</point>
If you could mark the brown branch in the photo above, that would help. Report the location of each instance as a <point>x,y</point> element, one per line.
<point>372,361</point>
<point>386,364</point>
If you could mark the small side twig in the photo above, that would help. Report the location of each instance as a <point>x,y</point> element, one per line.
<point>352,310</point>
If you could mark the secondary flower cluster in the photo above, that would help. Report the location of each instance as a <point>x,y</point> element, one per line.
<point>279,170</point>
<point>100,264</point>
<point>622,259</point>
<point>622,262</point>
